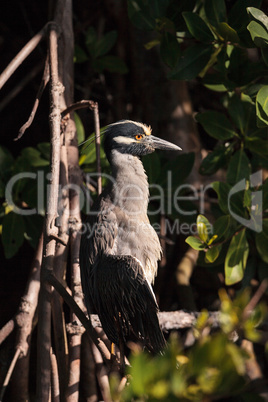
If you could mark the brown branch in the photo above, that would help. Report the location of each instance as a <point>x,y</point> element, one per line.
<point>60,265</point>
<point>21,84</point>
<point>79,105</point>
<point>44,318</point>
<point>255,299</point>
<point>22,55</point>
<point>102,374</point>
<point>55,388</point>
<point>25,323</point>
<point>6,330</point>
<point>80,315</point>
<point>88,368</point>
<point>44,82</point>
<point>9,373</point>
<point>23,320</point>
<point>97,140</point>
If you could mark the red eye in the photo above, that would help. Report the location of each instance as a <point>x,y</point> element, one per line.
<point>138,137</point>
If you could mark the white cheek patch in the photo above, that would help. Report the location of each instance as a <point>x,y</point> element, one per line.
<point>124,140</point>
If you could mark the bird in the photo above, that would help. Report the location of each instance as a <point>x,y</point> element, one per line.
<point>120,250</point>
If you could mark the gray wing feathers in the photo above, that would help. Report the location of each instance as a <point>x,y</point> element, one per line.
<point>125,302</point>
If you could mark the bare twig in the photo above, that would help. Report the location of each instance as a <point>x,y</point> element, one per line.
<point>44,82</point>
<point>21,56</point>
<point>79,105</point>
<point>60,264</point>
<point>88,378</point>
<point>55,389</point>
<point>9,373</point>
<point>44,324</point>
<point>102,374</point>
<point>79,313</point>
<point>6,330</point>
<point>21,84</point>
<point>255,299</point>
<point>97,139</point>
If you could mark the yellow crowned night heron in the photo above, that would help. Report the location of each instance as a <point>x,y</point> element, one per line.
<point>120,250</point>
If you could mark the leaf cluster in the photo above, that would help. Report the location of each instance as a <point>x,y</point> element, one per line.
<point>213,42</point>
<point>213,368</point>
<point>97,50</point>
<point>22,193</point>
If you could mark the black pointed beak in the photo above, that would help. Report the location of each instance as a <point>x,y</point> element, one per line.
<point>158,143</point>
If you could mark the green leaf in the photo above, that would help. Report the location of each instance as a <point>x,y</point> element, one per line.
<point>88,152</point>
<point>158,7</point>
<point>257,145</point>
<point>151,44</point>
<point>180,168</point>
<point>193,60</point>
<point>6,165</point>
<point>79,128</point>
<point>215,160</point>
<point>80,55</point>
<point>258,15</point>
<point>111,63</point>
<point>195,243</point>
<point>262,107</point>
<point>262,241</point>
<point>265,195</point>
<point>140,14</point>
<point>258,34</point>
<point>33,156</point>
<point>236,258</point>
<point>221,226</point>
<point>222,189</point>
<point>33,228</point>
<point>169,49</point>
<point>44,148</point>
<point>204,228</point>
<point>197,27</point>
<point>264,53</point>
<point>212,254</point>
<point>238,168</point>
<point>216,125</point>
<point>152,166</point>
<point>105,44</point>
<point>237,112</point>
<point>12,233</point>
<point>215,11</point>
<point>237,16</point>
<point>228,33</point>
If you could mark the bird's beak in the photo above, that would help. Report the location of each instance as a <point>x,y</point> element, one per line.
<point>158,143</point>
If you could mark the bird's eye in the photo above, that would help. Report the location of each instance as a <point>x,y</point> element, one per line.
<point>138,137</point>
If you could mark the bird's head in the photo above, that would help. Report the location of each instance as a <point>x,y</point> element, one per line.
<point>131,137</point>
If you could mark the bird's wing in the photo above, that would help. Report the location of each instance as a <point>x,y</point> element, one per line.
<point>125,302</point>
<point>98,238</point>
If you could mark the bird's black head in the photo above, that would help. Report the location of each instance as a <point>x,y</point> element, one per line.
<point>131,137</point>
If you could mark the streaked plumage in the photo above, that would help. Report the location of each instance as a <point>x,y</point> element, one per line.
<point>119,257</point>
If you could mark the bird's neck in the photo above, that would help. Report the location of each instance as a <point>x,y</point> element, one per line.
<point>130,185</point>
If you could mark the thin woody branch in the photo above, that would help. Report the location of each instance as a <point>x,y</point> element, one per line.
<point>9,373</point>
<point>22,55</point>
<point>97,141</point>
<point>83,104</point>
<point>6,330</point>
<point>80,315</point>
<point>44,318</point>
<point>44,82</point>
